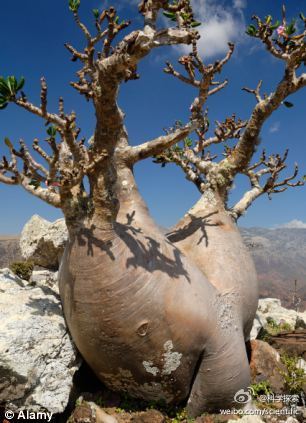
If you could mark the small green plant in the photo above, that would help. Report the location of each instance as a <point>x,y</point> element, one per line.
<point>23,269</point>
<point>294,376</point>
<point>79,401</point>
<point>274,328</point>
<point>261,388</point>
<point>182,417</point>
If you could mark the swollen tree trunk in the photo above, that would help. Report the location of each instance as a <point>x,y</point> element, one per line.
<point>209,236</point>
<point>143,316</point>
<point>159,318</point>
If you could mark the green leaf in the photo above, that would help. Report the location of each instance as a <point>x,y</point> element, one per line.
<point>96,13</point>
<point>3,102</point>
<point>188,142</point>
<point>185,16</point>
<point>302,16</point>
<point>51,131</point>
<point>290,29</point>
<point>10,82</point>
<point>268,19</point>
<point>3,105</point>
<point>194,24</point>
<point>251,30</point>
<point>275,26</point>
<point>4,89</point>
<point>288,104</point>
<point>8,143</point>
<point>169,15</point>
<point>177,149</point>
<point>20,84</point>
<point>116,19</point>
<point>74,5</point>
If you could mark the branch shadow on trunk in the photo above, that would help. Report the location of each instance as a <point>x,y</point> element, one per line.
<point>87,235</point>
<point>153,254</point>
<point>195,224</point>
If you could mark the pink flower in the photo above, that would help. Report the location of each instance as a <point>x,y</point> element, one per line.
<point>52,184</point>
<point>281,30</point>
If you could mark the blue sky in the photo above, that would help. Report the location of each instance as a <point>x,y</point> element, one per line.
<point>32,39</point>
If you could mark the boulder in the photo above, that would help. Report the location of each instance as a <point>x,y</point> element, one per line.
<point>43,242</point>
<point>266,366</point>
<point>272,308</point>
<point>37,357</point>
<point>44,278</point>
<point>259,323</point>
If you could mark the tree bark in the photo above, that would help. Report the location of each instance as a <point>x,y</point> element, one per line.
<point>209,236</point>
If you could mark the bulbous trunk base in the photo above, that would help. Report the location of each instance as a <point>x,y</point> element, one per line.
<point>145,319</point>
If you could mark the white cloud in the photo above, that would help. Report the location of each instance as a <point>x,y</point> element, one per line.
<point>240,4</point>
<point>293,224</point>
<point>274,127</point>
<point>221,24</point>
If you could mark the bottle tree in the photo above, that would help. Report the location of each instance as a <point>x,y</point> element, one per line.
<point>161,317</point>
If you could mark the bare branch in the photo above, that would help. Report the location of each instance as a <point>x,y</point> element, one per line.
<point>46,194</point>
<point>193,64</point>
<point>40,151</point>
<point>50,117</point>
<point>83,27</point>
<point>9,180</point>
<point>243,152</point>
<point>256,92</point>
<point>43,96</point>
<point>273,165</point>
<point>218,88</point>
<point>156,146</point>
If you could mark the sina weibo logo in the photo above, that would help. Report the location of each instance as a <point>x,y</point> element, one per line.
<point>243,396</point>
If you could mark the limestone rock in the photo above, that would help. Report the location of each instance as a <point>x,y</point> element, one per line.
<point>44,278</point>
<point>258,324</point>
<point>37,357</point>
<point>272,308</point>
<point>43,242</point>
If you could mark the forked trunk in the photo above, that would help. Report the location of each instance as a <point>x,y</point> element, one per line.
<point>143,316</point>
<point>208,235</point>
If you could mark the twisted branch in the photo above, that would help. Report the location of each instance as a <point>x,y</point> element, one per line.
<point>273,166</point>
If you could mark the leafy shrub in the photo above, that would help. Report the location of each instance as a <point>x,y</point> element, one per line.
<point>294,376</point>
<point>23,269</point>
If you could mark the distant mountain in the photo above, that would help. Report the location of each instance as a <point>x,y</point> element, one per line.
<point>9,250</point>
<point>280,259</point>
